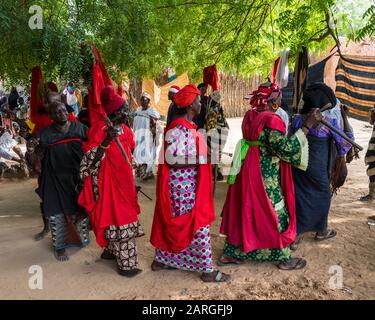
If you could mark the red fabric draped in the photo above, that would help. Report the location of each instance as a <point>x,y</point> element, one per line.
<point>100,79</point>
<point>274,71</point>
<point>211,77</point>
<point>176,234</point>
<point>249,219</point>
<point>117,203</point>
<point>41,120</point>
<point>65,141</point>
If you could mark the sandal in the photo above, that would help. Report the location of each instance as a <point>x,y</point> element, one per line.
<point>367,198</point>
<point>157,266</point>
<point>225,261</point>
<point>329,233</point>
<point>371,221</point>
<point>292,264</point>
<point>216,276</point>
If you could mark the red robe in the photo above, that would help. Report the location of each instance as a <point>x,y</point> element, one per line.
<point>117,202</point>
<point>100,79</point>
<point>37,102</point>
<point>175,234</point>
<point>248,218</point>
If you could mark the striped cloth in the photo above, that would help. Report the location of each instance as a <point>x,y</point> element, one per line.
<point>355,84</point>
<point>370,157</point>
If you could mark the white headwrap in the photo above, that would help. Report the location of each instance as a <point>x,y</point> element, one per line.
<point>146,95</point>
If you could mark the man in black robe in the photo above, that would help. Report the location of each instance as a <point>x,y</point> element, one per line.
<point>60,146</point>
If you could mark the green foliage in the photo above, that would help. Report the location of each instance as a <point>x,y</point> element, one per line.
<point>369,29</point>
<point>140,37</point>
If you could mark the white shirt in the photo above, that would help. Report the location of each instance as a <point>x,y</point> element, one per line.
<point>7,143</point>
<point>145,149</point>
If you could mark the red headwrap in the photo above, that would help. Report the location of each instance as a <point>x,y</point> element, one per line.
<point>211,77</point>
<point>52,87</point>
<point>186,96</point>
<point>111,101</point>
<point>174,89</point>
<point>265,93</point>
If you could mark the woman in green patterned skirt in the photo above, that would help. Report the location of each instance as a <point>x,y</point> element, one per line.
<point>259,216</point>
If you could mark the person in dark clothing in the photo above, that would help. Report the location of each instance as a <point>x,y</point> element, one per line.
<point>313,187</point>
<point>84,115</point>
<point>13,99</point>
<point>172,110</point>
<point>60,147</point>
<point>370,161</point>
<point>200,120</point>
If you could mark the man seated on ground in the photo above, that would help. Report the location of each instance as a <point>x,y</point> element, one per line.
<point>7,145</point>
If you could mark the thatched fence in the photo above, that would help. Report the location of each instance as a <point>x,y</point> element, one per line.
<point>233,89</point>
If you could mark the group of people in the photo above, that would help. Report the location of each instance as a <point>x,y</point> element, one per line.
<point>280,184</point>
<point>13,132</point>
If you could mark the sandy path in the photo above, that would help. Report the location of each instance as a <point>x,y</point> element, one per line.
<point>85,276</point>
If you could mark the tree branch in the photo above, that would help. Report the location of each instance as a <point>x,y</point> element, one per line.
<point>332,33</point>
<point>193,3</point>
<point>322,37</point>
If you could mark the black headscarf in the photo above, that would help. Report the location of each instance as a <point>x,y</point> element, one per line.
<point>13,98</point>
<point>317,95</point>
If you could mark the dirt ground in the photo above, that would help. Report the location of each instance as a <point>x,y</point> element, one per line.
<point>85,276</point>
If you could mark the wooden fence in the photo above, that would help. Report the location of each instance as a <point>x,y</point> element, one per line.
<point>233,89</point>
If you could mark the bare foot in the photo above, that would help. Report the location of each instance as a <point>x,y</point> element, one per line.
<point>42,234</point>
<point>61,255</point>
